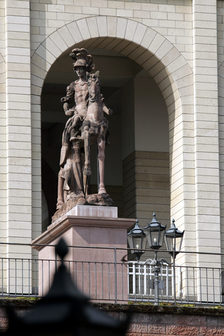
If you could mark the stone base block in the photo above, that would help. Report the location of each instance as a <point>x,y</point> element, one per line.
<point>97,242</point>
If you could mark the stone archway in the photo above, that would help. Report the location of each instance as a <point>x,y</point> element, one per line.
<point>165,65</point>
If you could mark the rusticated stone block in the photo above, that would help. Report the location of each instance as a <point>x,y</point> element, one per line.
<point>211,332</point>
<point>182,331</point>
<point>156,329</point>
<point>138,328</point>
<point>187,320</point>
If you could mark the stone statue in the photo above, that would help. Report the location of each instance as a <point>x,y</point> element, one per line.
<point>84,105</point>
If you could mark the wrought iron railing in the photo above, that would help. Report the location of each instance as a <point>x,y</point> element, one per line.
<point>115,281</point>
<point>197,285</point>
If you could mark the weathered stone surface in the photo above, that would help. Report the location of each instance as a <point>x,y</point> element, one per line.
<point>182,330</point>
<point>171,321</point>
<point>156,329</point>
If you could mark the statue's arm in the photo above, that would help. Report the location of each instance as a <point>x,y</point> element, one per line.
<point>68,99</point>
<point>107,110</point>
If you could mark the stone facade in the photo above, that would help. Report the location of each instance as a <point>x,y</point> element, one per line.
<point>175,42</point>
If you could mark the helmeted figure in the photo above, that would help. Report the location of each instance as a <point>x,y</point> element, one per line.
<point>81,98</point>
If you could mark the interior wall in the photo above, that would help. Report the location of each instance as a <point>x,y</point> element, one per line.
<point>151,117</point>
<point>128,118</point>
<point>146,167</point>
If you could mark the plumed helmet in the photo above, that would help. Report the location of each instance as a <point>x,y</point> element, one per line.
<point>80,63</point>
<point>82,59</point>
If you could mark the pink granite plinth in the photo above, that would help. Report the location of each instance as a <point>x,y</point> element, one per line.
<point>98,241</point>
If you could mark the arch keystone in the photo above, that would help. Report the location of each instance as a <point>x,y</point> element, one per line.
<point>83,28</point>
<point>102,25</point>
<point>93,28</point>
<point>112,26</point>
<point>121,27</point>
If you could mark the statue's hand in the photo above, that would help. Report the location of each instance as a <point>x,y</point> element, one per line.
<point>110,111</point>
<point>63,99</point>
<point>69,112</point>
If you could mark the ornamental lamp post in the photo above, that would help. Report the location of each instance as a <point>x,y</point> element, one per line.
<point>137,241</point>
<point>155,233</point>
<point>174,239</point>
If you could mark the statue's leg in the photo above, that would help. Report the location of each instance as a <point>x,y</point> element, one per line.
<point>87,167</point>
<point>77,171</point>
<point>60,200</point>
<point>101,158</point>
<point>86,137</point>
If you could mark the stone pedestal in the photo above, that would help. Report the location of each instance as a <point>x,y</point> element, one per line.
<point>98,241</point>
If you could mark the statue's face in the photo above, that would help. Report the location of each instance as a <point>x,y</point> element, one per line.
<point>80,71</point>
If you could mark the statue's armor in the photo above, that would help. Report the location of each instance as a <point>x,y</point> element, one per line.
<point>76,92</point>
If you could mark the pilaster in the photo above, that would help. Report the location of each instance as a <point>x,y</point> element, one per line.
<point>18,126</point>
<point>206,131</point>
<point>3,144</point>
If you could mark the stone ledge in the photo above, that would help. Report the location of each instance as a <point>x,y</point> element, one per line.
<point>132,308</point>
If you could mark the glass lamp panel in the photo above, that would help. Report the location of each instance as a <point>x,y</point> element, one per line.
<point>137,243</point>
<point>153,238</point>
<point>161,237</point>
<point>131,243</point>
<point>148,238</point>
<point>170,243</point>
<point>179,241</point>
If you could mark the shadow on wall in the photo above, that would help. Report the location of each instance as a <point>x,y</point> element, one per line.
<point>49,188</point>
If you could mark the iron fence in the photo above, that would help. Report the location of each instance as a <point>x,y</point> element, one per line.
<point>115,281</point>
<point>192,285</point>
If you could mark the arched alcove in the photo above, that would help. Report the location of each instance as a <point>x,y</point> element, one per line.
<point>164,64</point>
<point>137,160</point>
